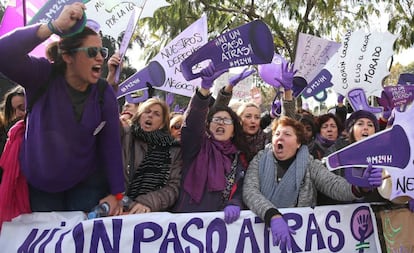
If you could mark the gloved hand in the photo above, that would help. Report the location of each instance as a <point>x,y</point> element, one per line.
<point>411,205</point>
<point>231,213</point>
<point>209,74</point>
<point>281,233</point>
<point>374,175</point>
<point>234,80</point>
<point>340,99</point>
<point>287,75</point>
<point>169,98</point>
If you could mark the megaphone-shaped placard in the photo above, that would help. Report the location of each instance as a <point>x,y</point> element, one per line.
<point>52,9</point>
<point>153,74</point>
<point>248,44</point>
<point>391,149</point>
<point>137,97</point>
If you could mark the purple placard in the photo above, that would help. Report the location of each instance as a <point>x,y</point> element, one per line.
<point>319,84</point>
<point>388,148</point>
<point>396,96</point>
<point>153,74</point>
<point>248,44</point>
<point>50,11</point>
<point>125,41</point>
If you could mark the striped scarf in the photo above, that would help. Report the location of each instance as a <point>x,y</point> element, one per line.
<point>154,170</point>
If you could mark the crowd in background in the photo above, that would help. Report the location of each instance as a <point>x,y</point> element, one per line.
<point>212,157</point>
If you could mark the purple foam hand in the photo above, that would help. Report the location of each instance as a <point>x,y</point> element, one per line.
<point>231,213</point>
<point>288,71</point>
<point>234,80</point>
<point>209,74</point>
<point>281,233</point>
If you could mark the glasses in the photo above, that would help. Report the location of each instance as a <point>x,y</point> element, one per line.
<point>224,121</point>
<point>92,52</point>
<point>176,126</point>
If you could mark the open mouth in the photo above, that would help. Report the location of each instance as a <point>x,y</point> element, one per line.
<point>279,147</point>
<point>97,68</point>
<point>148,123</point>
<point>220,130</point>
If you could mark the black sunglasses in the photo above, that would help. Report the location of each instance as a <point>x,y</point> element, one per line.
<point>92,52</point>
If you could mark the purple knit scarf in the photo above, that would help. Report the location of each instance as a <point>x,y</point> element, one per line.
<point>323,141</point>
<point>209,168</point>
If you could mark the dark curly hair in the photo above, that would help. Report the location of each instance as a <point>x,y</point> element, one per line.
<point>239,138</point>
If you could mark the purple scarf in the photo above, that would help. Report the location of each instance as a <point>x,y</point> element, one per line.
<point>323,141</point>
<point>210,167</point>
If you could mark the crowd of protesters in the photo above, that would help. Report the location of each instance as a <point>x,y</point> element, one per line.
<point>212,157</point>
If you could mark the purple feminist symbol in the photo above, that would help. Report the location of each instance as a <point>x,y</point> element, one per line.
<point>361,227</point>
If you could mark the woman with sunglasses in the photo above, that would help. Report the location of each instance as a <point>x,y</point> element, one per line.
<point>71,153</point>
<point>213,155</point>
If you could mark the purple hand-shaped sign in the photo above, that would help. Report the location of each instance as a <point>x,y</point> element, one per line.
<point>248,44</point>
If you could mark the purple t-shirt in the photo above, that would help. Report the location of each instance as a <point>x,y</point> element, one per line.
<point>58,151</point>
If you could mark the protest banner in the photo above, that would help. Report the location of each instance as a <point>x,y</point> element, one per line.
<point>344,228</point>
<point>169,59</point>
<point>359,65</point>
<point>249,44</point>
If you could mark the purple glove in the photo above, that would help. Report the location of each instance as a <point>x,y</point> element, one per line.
<point>373,175</point>
<point>287,75</point>
<point>231,213</point>
<point>340,99</point>
<point>282,234</point>
<point>386,114</point>
<point>234,80</point>
<point>209,74</point>
<point>411,205</point>
<point>169,99</point>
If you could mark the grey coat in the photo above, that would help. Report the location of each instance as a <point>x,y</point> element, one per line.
<point>317,177</point>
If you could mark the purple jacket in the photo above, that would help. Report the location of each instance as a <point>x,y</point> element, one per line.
<point>58,152</point>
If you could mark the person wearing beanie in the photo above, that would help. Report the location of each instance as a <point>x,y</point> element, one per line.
<point>361,124</point>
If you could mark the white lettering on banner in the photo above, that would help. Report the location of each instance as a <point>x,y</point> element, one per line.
<point>130,85</point>
<point>379,159</point>
<point>339,228</point>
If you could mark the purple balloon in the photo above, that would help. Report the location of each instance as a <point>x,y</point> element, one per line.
<point>269,72</point>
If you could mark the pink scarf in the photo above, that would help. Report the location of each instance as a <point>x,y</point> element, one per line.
<point>14,193</point>
<point>210,167</point>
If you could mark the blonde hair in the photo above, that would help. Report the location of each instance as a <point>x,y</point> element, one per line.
<point>150,102</point>
<point>243,107</point>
